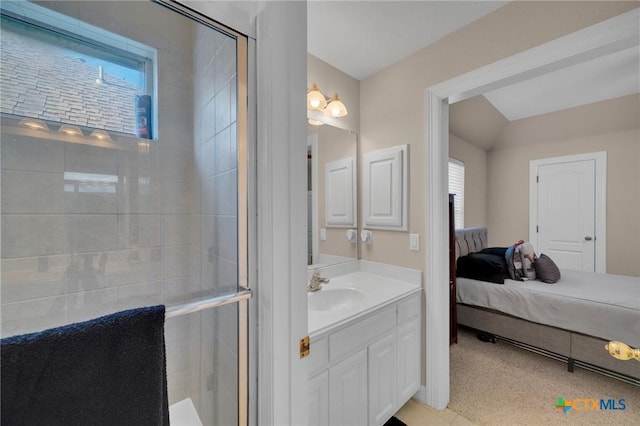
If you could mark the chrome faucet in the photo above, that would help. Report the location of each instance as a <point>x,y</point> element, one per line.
<point>316,281</point>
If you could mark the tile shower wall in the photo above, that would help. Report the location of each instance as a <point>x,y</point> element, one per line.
<point>164,231</point>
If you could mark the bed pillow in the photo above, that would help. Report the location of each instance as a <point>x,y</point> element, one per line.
<point>546,269</point>
<point>482,267</point>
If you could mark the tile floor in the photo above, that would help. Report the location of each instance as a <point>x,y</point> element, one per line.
<point>415,413</point>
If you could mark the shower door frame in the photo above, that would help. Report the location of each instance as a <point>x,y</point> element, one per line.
<point>278,379</point>
<point>243,293</point>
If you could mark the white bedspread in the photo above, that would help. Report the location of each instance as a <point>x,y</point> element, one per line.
<point>601,305</point>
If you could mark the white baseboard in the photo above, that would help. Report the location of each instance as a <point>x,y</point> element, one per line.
<point>421,395</point>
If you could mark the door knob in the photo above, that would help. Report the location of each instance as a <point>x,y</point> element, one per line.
<point>588,238</point>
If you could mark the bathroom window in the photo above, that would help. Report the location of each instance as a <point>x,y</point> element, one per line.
<point>456,186</point>
<point>89,78</point>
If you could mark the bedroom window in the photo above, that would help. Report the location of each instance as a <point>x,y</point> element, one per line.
<point>456,186</point>
<point>67,73</point>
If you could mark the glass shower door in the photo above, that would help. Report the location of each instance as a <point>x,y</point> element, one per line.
<point>123,153</point>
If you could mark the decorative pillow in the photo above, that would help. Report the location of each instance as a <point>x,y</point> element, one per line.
<point>527,257</point>
<point>482,267</point>
<point>546,270</point>
<point>514,264</point>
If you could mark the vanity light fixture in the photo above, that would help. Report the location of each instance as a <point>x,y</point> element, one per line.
<point>70,130</point>
<point>335,108</point>
<point>316,101</point>
<point>33,124</point>
<point>315,122</point>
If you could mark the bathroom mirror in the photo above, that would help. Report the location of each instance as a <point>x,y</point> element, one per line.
<point>332,195</point>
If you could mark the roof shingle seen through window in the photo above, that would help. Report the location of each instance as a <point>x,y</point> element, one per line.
<point>39,81</point>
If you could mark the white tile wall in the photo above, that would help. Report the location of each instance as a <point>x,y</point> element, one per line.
<point>22,278</point>
<point>82,158</point>
<point>91,232</point>
<point>139,230</point>
<point>27,192</point>
<point>33,314</point>
<point>32,235</point>
<point>26,153</point>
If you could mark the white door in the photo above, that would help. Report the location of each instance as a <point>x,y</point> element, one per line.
<point>567,210</point>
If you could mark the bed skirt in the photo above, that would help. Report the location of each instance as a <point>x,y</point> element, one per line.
<point>574,348</point>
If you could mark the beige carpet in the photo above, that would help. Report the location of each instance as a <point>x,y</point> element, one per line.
<point>500,384</point>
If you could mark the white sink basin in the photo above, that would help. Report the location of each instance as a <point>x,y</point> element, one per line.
<point>335,299</point>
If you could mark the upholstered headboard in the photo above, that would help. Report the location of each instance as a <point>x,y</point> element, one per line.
<point>470,240</point>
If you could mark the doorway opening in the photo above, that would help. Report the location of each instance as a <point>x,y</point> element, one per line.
<point>598,40</point>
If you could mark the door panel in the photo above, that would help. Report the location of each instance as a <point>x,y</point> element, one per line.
<point>382,384</point>
<point>319,400</point>
<point>348,391</point>
<point>566,214</point>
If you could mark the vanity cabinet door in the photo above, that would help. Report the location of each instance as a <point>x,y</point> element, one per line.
<point>382,379</point>
<point>348,391</point>
<point>408,359</point>
<point>319,400</point>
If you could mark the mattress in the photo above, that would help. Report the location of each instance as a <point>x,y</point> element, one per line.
<point>600,305</point>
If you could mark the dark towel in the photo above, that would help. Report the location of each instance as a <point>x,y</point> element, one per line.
<point>106,371</point>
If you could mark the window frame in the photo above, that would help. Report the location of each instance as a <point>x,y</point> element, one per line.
<point>459,198</point>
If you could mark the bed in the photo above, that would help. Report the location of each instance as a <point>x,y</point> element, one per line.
<point>570,320</point>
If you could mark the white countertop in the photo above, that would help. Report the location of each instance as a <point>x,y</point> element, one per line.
<point>377,291</point>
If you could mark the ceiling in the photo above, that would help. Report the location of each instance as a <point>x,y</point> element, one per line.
<point>361,38</point>
<point>606,77</point>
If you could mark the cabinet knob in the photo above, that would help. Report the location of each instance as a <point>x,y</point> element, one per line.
<point>588,238</point>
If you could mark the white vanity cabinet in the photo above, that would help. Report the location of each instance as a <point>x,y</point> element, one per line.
<point>348,391</point>
<point>367,368</point>
<point>319,399</point>
<point>383,373</point>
